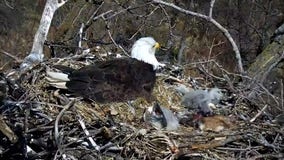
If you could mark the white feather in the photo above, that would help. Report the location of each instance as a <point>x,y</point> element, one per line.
<point>144,50</point>
<point>59,85</point>
<point>57,79</point>
<point>57,76</point>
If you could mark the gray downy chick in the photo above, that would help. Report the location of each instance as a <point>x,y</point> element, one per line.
<point>201,99</point>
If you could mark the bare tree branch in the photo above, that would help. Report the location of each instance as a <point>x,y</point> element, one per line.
<point>18,60</point>
<point>211,8</point>
<point>36,55</point>
<point>214,22</point>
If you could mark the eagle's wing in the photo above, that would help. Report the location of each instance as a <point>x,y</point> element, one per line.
<point>113,80</point>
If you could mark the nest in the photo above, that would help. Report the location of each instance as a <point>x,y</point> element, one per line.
<point>42,122</point>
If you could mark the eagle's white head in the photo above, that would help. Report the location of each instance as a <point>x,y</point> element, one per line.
<point>144,50</point>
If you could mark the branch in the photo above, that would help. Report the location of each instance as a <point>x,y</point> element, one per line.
<point>18,60</point>
<point>214,22</point>
<point>211,8</point>
<point>56,124</point>
<point>93,143</point>
<point>36,55</point>
<point>258,114</point>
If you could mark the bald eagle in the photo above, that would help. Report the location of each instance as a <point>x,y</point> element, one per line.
<point>116,80</point>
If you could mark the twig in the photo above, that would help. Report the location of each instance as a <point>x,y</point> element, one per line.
<point>268,156</point>
<point>78,15</point>
<point>7,4</point>
<point>102,15</point>
<point>56,128</point>
<point>91,19</point>
<point>225,73</point>
<point>42,128</point>
<point>18,60</point>
<point>169,20</point>
<point>138,30</point>
<point>113,41</point>
<point>169,77</point>
<point>108,145</point>
<point>211,8</point>
<point>203,69</point>
<point>108,31</point>
<point>81,35</point>
<point>217,143</point>
<point>117,13</point>
<point>213,45</point>
<point>282,94</point>
<point>7,131</point>
<point>268,93</point>
<point>93,143</point>
<point>258,114</point>
<point>93,15</point>
<point>259,138</point>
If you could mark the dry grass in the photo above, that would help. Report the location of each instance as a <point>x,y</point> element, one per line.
<point>120,130</point>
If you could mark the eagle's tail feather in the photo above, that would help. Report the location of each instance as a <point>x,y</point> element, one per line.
<point>57,79</point>
<point>59,85</point>
<point>57,76</point>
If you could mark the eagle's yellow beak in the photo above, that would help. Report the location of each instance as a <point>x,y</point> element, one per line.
<point>157,45</point>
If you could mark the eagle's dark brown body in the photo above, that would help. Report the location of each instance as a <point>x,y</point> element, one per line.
<point>113,81</point>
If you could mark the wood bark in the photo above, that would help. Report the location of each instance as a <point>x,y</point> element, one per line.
<point>36,55</point>
<point>267,73</point>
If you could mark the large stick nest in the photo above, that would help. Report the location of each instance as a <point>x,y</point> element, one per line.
<point>41,122</point>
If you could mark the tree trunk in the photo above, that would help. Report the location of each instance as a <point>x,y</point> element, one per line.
<point>268,73</point>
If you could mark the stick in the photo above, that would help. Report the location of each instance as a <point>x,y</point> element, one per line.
<point>56,128</point>
<point>258,114</point>
<point>93,143</point>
